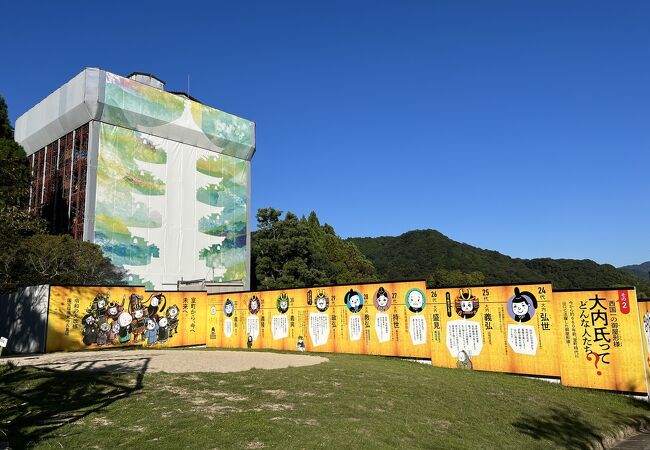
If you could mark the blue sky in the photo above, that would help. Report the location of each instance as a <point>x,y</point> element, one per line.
<point>516,126</point>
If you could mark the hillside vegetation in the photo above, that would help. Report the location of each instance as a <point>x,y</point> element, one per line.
<point>430,255</point>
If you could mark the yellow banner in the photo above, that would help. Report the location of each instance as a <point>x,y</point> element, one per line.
<point>87,317</point>
<point>363,319</point>
<point>600,346</point>
<point>495,328</point>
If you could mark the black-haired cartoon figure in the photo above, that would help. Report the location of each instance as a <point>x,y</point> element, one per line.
<point>151,332</point>
<point>115,309</point>
<point>125,319</point>
<point>282,303</point>
<point>157,303</point>
<point>466,304</point>
<point>163,330</point>
<point>114,332</point>
<point>354,301</point>
<point>172,319</point>
<point>646,327</point>
<point>522,306</point>
<point>322,302</point>
<point>89,331</point>
<point>382,300</point>
<point>213,333</point>
<point>415,300</point>
<point>103,329</point>
<point>228,308</point>
<point>464,360</point>
<point>249,341</point>
<point>136,309</point>
<point>254,305</point>
<point>99,305</point>
<point>300,345</point>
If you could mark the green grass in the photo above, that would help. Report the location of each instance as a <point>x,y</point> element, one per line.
<point>351,401</point>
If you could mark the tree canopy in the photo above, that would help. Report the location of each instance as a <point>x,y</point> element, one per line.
<point>298,252</point>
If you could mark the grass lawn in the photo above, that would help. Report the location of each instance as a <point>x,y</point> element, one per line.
<point>351,401</point>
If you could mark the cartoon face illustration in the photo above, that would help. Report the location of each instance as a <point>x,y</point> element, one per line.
<point>228,308</point>
<point>382,299</point>
<point>125,319</point>
<point>282,303</point>
<point>105,326</point>
<point>354,301</point>
<point>162,322</point>
<point>522,306</point>
<point>466,304</point>
<point>462,356</point>
<point>89,319</point>
<point>213,310</point>
<point>151,324</point>
<point>322,302</point>
<point>112,311</point>
<point>254,305</point>
<point>101,303</point>
<point>138,313</point>
<point>115,327</point>
<point>172,312</point>
<point>415,300</point>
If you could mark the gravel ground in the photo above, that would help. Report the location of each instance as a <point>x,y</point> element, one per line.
<point>173,361</point>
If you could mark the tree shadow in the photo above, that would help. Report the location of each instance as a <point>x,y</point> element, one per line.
<point>56,398</point>
<point>569,429</point>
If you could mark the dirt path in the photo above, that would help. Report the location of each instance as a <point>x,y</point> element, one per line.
<point>174,361</point>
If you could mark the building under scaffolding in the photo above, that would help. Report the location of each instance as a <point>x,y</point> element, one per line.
<point>159,180</point>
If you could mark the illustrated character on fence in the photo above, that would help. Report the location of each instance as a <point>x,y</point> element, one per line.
<point>114,332</point>
<point>322,302</point>
<point>172,320</point>
<point>300,345</point>
<point>115,309</point>
<point>157,304</point>
<point>124,335</point>
<point>415,300</point>
<point>254,305</point>
<point>163,330</point>
<point>89,330</point>
<point>152,331</point>
<point>464,360</point>
<point>382,300</point>
<point>139,313</point>
<point>282,303</point>
<point>466,304</point>
<point>249,341</point>
<point>103,328</point>
<point>354,301</point>
<point>100,305</point>
<point>523,305</point>
<point>228,308</point>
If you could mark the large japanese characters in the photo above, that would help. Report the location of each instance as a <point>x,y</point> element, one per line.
<point>600,343</point>
<point>86,317</point>
<point>496,328</point>
<point>381,319</point>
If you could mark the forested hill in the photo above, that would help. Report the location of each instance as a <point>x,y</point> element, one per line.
<point>640,270</point>
<point>430,255</point>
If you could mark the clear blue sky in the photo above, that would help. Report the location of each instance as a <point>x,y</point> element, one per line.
<point>518,126</point>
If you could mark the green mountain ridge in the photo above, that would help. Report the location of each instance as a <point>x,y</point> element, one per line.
<point>425,253</point>
<point>640,270</point>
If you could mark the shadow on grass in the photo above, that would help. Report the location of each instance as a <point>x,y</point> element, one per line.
<point>569,429</point>
<point>37,401</point>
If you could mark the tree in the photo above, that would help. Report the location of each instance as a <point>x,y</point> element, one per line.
<point>447,278</point>
<point>293,252</point>
<point>6,130</point>
<point>15,175</point>
<point>47,259</point>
